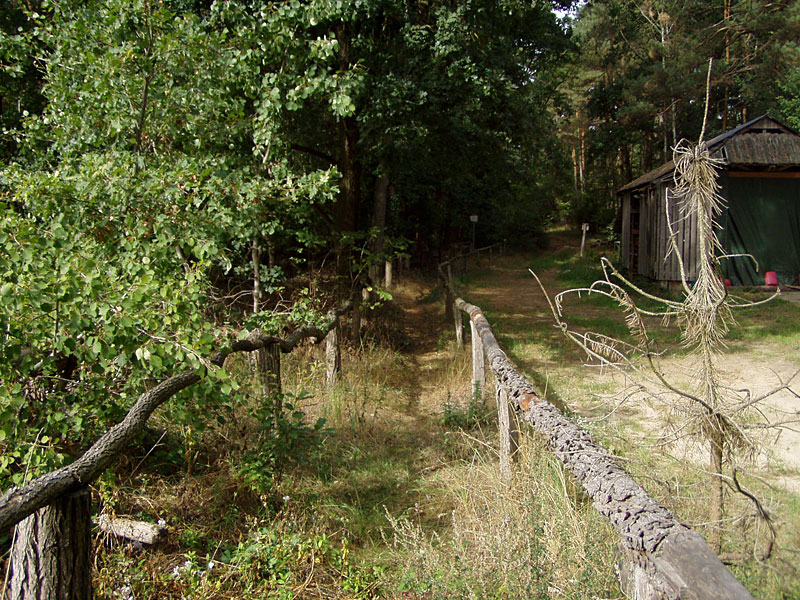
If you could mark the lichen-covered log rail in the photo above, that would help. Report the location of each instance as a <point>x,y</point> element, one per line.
<point>661,557</point>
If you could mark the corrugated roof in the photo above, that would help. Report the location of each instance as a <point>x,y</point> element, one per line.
<point>759,142</point>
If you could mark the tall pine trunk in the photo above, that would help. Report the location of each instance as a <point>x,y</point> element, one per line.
<point>380,199</point>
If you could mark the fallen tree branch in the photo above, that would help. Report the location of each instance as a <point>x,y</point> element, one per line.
<point>20,502</point>
<point>135,531</point>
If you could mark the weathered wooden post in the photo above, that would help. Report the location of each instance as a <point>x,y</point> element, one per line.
<point>388,275</point>
<point>333,356</point>
<point>459,327</point>
<point>584,228</point>
<point>268,366</point>
<point>448,295</point>
<point>478,362</point>
<point>448,304</point>
<point>355,329</point>
<point>268,361</point>
<point>509,432</point>
<point>51,552</point>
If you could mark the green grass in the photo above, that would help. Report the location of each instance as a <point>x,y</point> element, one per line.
<point>533,538</point>
<point>778,322</point>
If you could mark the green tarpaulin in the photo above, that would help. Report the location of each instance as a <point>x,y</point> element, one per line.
<point>762,219</point>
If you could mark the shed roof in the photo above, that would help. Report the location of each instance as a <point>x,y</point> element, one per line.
<point>762,141</point>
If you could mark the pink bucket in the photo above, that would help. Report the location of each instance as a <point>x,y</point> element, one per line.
<point>771,278</point>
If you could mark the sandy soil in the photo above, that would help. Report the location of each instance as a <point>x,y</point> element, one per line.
<point>758,365</point>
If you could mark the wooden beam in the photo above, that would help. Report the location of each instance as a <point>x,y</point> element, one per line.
<point>478,362</point>
<point>141,532</point>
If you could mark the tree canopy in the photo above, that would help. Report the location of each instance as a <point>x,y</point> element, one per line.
<point>153,149</point>
<point>637,84</point>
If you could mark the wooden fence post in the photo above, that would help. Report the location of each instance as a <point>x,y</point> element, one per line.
<point>355,330</point>
<point>52,549</point>
<point>388,275</point>
<point>478,362</point>
<point>448,295</point>
<point>268,361</point>
<point>509,433</point>
<point>448,304</point>
<point>268,372</point>
<point>459,327</point>
<point>333,357</point>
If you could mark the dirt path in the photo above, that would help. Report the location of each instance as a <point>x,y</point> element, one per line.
<point>435,372</point>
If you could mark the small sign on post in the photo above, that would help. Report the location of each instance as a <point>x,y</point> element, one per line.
<point>585,228</point>
<point>474,220</point>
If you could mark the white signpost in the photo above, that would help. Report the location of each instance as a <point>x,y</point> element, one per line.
<point>585,228</point>
<point>474,219</point>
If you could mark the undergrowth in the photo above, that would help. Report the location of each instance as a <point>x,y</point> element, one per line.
<point>392,489</point>
<point>303,505</point>
<point>537,538</point>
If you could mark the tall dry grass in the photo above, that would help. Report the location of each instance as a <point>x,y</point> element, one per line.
<point>537,538</point>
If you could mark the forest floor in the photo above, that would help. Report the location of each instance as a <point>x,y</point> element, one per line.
<point>403,497</point>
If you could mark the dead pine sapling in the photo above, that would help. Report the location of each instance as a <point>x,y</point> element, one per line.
<point>724,418</point>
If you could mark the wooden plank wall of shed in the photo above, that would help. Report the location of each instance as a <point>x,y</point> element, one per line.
<point>664,264</point>
<point>690,248</point>
<point>661,262</point>
<point>626,230</point>
<point>654,244</point>
<point>656,214</point>
<point>646,215</point>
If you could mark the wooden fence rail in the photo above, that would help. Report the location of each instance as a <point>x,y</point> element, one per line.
<point>661,557</point>
<point>50,555</point>
<point>446,270</point>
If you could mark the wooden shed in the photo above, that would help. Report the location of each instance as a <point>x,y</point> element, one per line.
<point>760,182</point>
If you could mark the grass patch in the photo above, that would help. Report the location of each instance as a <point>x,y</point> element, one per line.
<point>533,539</point>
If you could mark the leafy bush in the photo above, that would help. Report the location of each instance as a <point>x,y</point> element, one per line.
<point>282,439</point>
<point>472,416</point>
